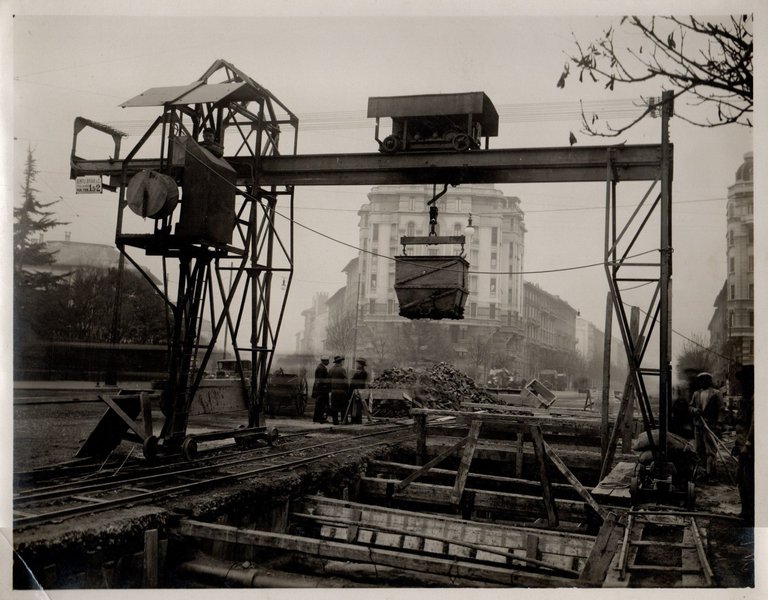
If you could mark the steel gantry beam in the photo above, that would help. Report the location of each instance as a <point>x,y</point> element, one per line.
<point>518,165</point>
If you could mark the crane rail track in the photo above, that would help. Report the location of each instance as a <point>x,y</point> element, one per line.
<point>92,497</point>
<point>83,468</point>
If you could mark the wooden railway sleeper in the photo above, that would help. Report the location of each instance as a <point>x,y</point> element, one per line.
<point>703,569</point>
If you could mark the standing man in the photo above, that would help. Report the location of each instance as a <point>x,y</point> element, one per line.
<point>339,388</point>
<point>320,390</point>
<point>359,382</point>
<point>705,407</point>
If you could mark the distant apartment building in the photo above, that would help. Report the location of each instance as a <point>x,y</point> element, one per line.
<point>311,340</point>
<point>495,253</point>
<point>550,332</point>
<point>508,323</point>
<point>590,345</point>
<point>731,328</point>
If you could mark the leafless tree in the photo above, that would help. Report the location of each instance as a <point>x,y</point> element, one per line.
<point>707,63</point>
<point>478,353</point>
<point>695,357</point>
<point>340,335</point>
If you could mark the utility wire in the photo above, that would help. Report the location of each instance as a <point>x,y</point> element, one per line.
<point>692,341</point>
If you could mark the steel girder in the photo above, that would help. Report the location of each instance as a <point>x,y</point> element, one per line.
<point>518,165</point>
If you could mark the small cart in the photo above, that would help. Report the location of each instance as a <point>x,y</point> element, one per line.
<point>286,394</point>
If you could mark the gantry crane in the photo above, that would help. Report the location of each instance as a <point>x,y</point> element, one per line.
<point>265,180</point>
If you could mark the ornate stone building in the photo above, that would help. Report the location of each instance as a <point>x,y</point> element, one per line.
<point>732,326</point>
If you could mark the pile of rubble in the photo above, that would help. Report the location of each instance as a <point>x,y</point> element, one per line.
<point>439,387</point>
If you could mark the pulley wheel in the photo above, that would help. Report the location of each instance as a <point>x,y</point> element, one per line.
<point>152,194</point>
<point>189,448</point>
<point>149,447</point>
<point>461,142</point>
<point>390,143</point>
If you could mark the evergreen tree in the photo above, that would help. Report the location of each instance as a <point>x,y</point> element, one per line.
<point>34,289</point>
<point>31,219</point>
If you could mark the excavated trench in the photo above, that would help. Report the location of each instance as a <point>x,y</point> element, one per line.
<point>343,522</point>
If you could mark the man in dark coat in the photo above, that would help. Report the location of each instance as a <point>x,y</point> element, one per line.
<point>359,382</point>
<point>320,390</point>
<point>339,388</point>
<point>706,404</point>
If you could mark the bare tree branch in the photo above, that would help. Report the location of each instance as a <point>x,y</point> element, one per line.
<point>707,64</point>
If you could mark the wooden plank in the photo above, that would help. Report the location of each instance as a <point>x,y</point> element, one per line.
<point>546,488</point>
<point>701,556</point>
<point>582,491</point>
<point>89,499</point>
<point>549,424</point>
<point>368,554</point>
<point>449,543</point>
<point>150,558</point>
<point>554,543</point>
<point>420,424</point>
<point>502,502</point>
<point>466,461</point>
<point>438,459</point>
<point>505,452</point>
<point>504,432</point>
<point>616,484</point>
<point>528,486</point>
<point>123,415</point>
<point>604,406</point>
<point>625,407</point>
<point>532,546</point>
<point>603,550</point>
<point>146,413</point>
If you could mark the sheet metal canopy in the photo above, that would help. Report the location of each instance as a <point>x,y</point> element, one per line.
<point>195,93</point>
<point>425,105</point>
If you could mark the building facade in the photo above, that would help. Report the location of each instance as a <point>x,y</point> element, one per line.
<point>495,251</point>
<point>508,324</point>
<point>741,265</point>
<point>550,332</point>
<point>311,340</point>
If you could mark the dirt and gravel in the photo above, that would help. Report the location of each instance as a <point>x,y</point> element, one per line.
<point>441,386</point>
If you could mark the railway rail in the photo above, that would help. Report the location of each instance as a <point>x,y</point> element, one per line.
<point>35,505</point>
<point>115,463</point>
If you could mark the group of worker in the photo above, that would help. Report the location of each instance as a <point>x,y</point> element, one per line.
<point>706,407</point>
<point>334,393</point>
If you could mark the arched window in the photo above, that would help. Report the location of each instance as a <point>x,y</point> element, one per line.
<point>410,229</point>
<point>457,229</point>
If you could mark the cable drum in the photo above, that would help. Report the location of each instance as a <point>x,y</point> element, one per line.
<point>152,194</point>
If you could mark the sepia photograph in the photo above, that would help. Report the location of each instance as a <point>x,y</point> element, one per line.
<point>391,297</point>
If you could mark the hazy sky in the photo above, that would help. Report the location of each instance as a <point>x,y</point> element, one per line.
<point>324,67</point>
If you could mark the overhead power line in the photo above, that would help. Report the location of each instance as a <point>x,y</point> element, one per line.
<point>508,113</point>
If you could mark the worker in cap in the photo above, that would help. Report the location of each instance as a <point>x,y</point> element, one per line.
<point>339,389</point>
<point>209,142</point>
<point>359,382</point>
<point>706,405</point>
<point>321,389</point>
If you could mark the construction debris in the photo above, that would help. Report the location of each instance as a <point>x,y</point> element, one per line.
<point>441,386</point>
